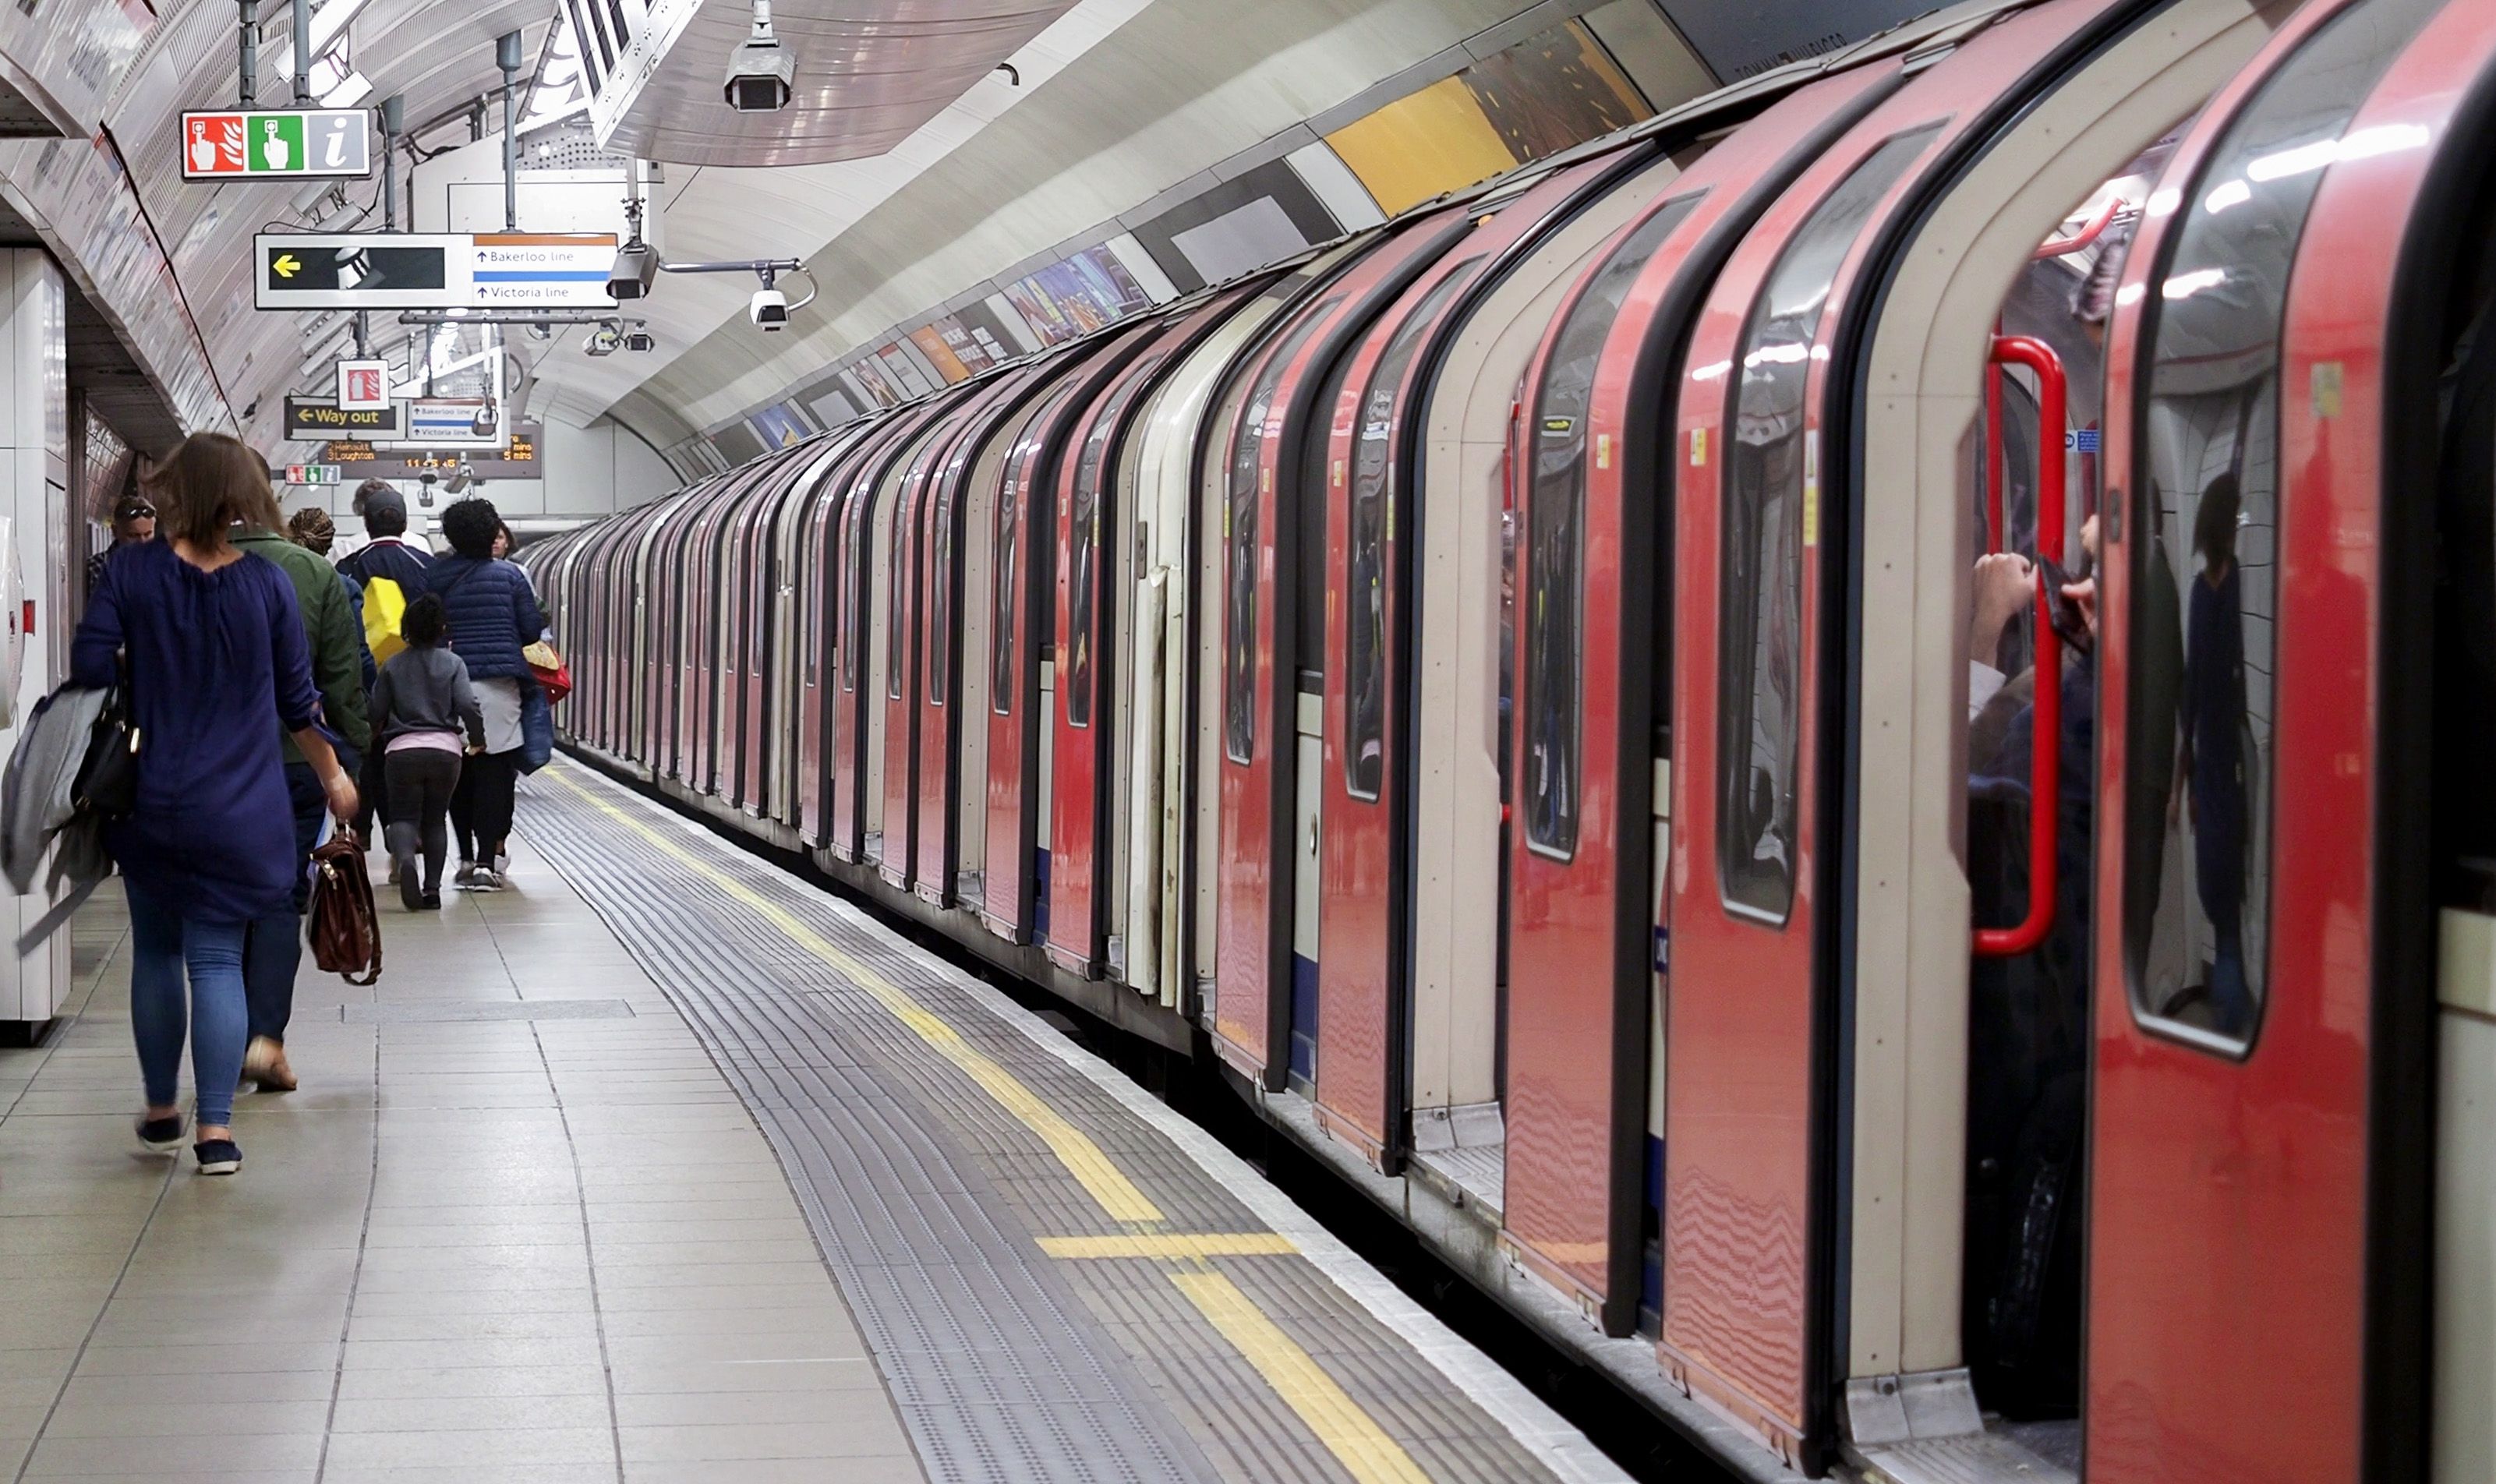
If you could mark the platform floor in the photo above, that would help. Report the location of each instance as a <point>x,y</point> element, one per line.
<point>669,1166</point>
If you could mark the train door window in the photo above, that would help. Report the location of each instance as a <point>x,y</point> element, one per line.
<point>896,642</point>
<point>1002,581</point>
<point>853,607</point>
<point>1084,539</point>
<point>1365,672</point>
<point>940,597</point>
<point>1769,480</point>
<point>1554,596</point>
<point>1239,541</point>
<point>2204,542</point>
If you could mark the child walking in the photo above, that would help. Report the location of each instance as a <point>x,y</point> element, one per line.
<point>423,704</point>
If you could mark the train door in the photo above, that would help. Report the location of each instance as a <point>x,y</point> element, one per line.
<point>1163,454</point>
<point>821,620</point>
<point>1369,522</point>
<point>941,729</point>
<point>1082,623</point>
<point>1014,879</point>
<point>638,697</point>
<point>762,579</point>
<point>976,522</point>
<point>857,782</point>
<point>743,562</point>
<point>1191,441</point>
<point>1592,629</point>
<point>2296,349</point>
<point>792,570</point>
<point>1456,697</point>
<point>1265,970</point>
<point>886,637</point>
<point>1763,1124</point>
<point>905,648</point>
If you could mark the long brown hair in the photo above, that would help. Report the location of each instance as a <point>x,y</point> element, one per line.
<point>209,482</point>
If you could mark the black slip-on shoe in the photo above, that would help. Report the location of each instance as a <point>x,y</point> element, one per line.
<point>218,1156</point>
<point>160,1136</point>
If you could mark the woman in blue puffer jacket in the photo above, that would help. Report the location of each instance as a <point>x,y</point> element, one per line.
<point>492,614</point>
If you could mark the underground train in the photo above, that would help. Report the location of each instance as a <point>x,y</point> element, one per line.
<point>1524,690</point>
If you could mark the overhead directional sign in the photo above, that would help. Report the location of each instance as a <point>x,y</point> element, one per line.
<point>432,270</point>
<point>317,420</point>
<point>240,144</point>
<point>455,422</point>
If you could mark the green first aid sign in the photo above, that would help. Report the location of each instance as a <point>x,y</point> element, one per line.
<point>262,142</point>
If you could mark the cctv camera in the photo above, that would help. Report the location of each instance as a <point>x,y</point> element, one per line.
<point>759,75</point>
<point>637,267</point>
<point>604,341</point>
<point>769,309</point>
<point>640,341</point>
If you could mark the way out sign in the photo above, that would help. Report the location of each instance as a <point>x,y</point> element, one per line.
<point>264,142</point>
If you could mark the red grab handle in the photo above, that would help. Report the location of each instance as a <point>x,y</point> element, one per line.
<point>2046,751</point>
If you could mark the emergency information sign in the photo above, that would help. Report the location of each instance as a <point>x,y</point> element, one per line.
<point>363,386</point>
<point>432,270</point>
<point>248,143</point>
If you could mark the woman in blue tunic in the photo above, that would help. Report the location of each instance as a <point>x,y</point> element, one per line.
<point>212,645</point>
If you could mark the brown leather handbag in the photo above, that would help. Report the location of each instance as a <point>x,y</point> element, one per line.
<point>346,931</point>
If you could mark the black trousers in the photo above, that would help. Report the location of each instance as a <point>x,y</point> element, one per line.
<point>481,807</point>
<point>422,783</point>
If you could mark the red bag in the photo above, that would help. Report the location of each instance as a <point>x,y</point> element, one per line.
<point>553,675</point>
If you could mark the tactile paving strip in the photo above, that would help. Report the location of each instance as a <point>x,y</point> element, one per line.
<point>927,1198</point>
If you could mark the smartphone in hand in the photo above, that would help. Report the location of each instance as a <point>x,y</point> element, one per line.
<point>2070,622</point>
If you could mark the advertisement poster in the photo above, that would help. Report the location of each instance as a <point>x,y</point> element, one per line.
<point>1080,295</point>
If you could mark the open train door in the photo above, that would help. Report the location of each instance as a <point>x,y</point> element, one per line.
<point>2259,1247</point>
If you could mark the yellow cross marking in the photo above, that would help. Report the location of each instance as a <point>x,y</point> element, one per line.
<point>1177,1246</point>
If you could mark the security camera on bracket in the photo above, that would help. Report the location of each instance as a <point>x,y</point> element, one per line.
<point>769,308</point>
<point>760,71</point>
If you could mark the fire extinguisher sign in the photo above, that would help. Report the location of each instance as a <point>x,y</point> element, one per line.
<point>265,143</point>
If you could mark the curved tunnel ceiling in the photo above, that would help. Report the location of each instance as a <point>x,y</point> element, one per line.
<point>1118,103</point>
<point>866,78</point>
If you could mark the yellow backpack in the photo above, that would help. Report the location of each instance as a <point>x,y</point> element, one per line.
<point>385,618</point>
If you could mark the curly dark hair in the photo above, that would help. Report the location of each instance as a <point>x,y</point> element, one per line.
<point>423,621</point>
<point>469,525</point>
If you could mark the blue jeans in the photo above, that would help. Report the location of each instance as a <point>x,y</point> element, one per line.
<point>164,950</point>
<point>276,948</point>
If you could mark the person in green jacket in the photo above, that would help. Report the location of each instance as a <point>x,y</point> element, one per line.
<point>274,949</point>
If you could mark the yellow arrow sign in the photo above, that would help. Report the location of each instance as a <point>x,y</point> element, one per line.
<point>283,265</point>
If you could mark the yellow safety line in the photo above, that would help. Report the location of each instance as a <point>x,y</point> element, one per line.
<point>1083,1157</point>
<point>1350,1433</point>
<point>1177,1246</point>
<point>1355,1439</point>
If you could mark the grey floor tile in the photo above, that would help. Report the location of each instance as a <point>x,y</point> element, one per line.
<point>487,1450</point>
